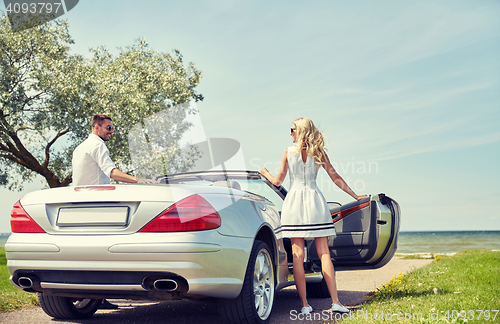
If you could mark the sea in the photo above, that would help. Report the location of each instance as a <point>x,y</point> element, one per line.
<point>446,242</point>
<point>427,242</point>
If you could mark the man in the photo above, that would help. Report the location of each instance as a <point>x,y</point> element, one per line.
<point>92,164</point>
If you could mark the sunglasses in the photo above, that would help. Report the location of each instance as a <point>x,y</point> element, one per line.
<point>109,127</point>
<point>292,130</point>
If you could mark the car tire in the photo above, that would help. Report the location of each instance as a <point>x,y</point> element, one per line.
<point>317,289</point>
<point>68,308</point>
<point>255,302</point>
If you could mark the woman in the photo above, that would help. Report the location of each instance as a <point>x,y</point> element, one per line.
<point>305,212</point>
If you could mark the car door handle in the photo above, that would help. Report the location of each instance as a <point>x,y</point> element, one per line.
<point>260,205</point>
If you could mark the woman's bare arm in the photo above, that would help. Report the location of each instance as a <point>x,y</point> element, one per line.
<point>337,179</point>
<point>278,180</point>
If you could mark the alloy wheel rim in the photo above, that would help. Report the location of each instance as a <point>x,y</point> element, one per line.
<point>263,284</point>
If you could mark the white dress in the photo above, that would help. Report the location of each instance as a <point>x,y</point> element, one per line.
<point>305,212</point>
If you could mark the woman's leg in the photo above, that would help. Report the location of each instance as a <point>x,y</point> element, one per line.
<point>298,269</point>
<point>327,267</point>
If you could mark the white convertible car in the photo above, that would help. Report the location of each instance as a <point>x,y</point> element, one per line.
<point>213,234</point>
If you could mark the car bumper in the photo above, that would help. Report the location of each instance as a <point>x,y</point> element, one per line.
<point>205,264</point>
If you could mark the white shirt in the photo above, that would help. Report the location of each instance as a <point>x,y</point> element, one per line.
<point>92,164</point>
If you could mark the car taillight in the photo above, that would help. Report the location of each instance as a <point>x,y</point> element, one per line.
<point>193,213</point>
<point>21,222</point>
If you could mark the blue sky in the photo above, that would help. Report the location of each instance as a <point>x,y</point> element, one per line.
<point>407,93</point>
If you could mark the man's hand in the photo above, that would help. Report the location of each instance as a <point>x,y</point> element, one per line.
<point>146,181</point>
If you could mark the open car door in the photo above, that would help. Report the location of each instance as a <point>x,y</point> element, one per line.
<point>367,232</point>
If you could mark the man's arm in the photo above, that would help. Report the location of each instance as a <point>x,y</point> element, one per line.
<point>102,158</point>
<point>123,177</point>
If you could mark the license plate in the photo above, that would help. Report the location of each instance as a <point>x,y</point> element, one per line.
<point>93,216</point>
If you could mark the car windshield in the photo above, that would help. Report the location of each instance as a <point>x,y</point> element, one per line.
<point>249,182</point>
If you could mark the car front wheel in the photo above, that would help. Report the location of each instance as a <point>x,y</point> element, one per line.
<point>68,308</point>
<point>255,301</point>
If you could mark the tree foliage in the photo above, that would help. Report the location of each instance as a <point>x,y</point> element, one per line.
<point>49,95</point>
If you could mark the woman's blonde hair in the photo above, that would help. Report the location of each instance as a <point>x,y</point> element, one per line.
<point>310,138</point>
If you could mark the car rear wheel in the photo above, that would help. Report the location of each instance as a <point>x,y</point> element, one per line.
<point>255,301</point>
<point>68,308</point>
<point>317,289</point>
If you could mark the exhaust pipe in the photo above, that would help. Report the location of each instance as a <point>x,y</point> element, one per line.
<point>165,285</point>
<point>25,282</point>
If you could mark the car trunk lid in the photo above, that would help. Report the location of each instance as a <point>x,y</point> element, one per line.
<point>100,209</point>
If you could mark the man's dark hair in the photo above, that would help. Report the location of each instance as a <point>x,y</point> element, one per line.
<point>99,118</point>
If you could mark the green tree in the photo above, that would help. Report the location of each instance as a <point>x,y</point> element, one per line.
<point>48,96</point>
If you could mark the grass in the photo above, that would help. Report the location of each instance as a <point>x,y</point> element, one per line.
<point>461,288</point>
<point>12,298</point>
